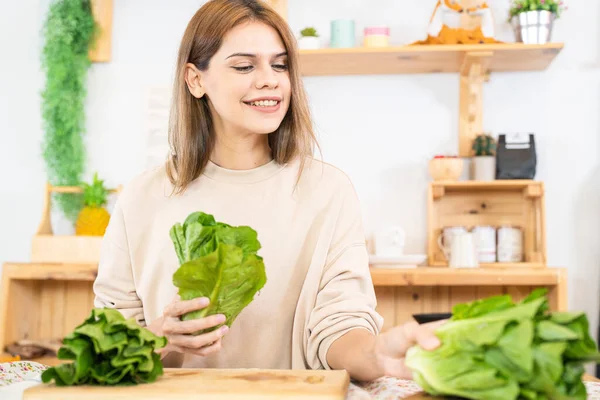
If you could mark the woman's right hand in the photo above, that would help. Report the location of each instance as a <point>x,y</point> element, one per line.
<point>179,333</point>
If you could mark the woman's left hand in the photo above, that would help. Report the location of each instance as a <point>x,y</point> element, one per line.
<point>393,344</point>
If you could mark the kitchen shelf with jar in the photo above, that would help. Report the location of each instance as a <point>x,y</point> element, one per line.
<point>427,59</point>
<point>473,63</point>
<point>514,204</point>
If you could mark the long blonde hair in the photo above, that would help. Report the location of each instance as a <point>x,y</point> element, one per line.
<point>190,125</point>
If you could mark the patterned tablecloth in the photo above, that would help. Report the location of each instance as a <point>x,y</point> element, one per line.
<point>15,377</point>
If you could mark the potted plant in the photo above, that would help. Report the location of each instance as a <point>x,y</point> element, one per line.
<point>484,158</point>
<point>309,39</point>
<point>532,20</point>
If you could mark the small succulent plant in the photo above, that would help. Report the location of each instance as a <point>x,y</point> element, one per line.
<point>484,145</point>
<point>308,32</point>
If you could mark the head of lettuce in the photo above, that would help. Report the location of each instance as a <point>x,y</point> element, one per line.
<point>217,261</point>
<point>495,349</point>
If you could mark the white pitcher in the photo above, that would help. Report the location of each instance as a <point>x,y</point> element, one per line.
<point>463,252</point>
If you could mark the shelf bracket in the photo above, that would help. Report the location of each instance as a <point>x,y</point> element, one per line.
<point>474,72</point>
<point>438,192</point>
<point>534,191</point>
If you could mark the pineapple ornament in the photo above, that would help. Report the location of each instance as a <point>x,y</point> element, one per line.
<point>93,218</point>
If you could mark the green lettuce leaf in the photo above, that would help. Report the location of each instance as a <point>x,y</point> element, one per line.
<point>493,348</point>
<point>217,261</point>
<point>106,349</point>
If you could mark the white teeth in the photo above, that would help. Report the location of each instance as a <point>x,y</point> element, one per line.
<point>265,103</point>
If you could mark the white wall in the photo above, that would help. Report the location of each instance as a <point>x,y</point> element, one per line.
<point>380,129</point>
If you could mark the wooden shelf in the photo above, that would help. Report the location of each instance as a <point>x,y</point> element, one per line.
<point>56,272</point>
<point>43,301</point>
<point>500,184</point>
<point>443,276</point>
<point>425,59</point>
<point>530,188</point>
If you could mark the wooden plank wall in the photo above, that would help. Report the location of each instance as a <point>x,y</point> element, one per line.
<point>397,304</point>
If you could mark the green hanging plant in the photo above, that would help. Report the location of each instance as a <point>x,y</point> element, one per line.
<point>69,32</point>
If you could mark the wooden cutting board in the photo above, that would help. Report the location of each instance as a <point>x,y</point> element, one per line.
<point>219,384</point>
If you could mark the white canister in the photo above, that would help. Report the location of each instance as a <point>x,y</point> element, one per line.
<point>510,244</point>
<point>485,242</point>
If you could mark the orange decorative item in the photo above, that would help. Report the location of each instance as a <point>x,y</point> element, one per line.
<point>460,22</point>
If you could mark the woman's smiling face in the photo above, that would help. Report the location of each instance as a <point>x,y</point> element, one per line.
<point>247,83</point>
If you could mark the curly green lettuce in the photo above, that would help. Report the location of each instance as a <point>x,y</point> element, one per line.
<point>107,349</point>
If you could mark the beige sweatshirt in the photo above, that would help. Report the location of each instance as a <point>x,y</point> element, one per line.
<point>318,282</point>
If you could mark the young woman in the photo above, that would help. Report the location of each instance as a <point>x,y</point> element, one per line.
<point>242,144</point>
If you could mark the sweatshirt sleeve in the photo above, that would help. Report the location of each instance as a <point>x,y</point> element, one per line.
<point>114,286</point>
<point>346,297</point>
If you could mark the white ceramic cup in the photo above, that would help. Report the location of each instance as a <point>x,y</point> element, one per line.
<point>389,242</point>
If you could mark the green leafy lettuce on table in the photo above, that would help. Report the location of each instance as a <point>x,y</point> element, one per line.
<point>495,349</point>
<point>107,349</point>
<point>217,261</point>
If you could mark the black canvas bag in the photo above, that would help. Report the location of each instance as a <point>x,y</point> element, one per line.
<point>516,156</point>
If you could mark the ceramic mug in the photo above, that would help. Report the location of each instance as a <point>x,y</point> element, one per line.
<point>343,33</point>
<point>389,242</point>
<point>444,241</point>
<point>463,253</point>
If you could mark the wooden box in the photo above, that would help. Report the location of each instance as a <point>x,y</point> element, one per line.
<point>515,203</point>
<point>43,302</point>
<point>46,247</point>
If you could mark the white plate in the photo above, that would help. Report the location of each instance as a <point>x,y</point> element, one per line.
<point>404,261</point>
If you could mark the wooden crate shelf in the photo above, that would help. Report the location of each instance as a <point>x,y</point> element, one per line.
<point>46,247</point>
<point>517,203</point>
<point>426,59</point>
<point>44,301</point>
